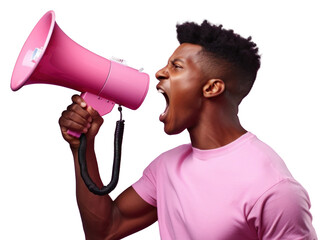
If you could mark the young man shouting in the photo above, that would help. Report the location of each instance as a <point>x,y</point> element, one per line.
<point>226,184</point>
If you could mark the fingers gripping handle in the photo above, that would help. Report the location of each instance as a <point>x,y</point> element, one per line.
<point>116,163</point>
<point>101,105</point>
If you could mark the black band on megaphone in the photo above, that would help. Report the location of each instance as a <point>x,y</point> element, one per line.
<point>118,137</point>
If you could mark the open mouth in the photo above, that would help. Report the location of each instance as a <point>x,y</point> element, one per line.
<point>164,114</point>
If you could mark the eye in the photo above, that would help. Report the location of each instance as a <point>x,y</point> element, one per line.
<point>176,65</point>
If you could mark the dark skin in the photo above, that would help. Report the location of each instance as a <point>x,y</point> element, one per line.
<point>197,101</point>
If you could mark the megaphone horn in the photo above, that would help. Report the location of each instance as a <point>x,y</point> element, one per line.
<point>49,56</point>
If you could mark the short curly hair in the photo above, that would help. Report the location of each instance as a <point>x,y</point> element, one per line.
<point>240,53</point>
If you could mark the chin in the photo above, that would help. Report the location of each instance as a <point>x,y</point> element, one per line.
<point>173,131</point>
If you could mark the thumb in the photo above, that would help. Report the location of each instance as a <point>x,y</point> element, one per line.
<point>95,115</point>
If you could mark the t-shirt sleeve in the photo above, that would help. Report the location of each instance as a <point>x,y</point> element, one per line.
<point>283,212</point>
<point>146,185</point>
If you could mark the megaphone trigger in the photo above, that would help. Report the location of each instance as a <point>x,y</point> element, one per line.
<point>101,105</point>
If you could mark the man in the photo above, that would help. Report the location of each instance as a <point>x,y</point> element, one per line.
<point>226,184</point>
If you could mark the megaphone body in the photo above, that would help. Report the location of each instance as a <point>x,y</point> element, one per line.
<point>49,56</point>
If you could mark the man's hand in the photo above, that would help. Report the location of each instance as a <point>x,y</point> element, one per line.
<point>79,118</point>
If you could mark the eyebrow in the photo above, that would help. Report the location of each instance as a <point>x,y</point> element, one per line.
<point>177,60</point>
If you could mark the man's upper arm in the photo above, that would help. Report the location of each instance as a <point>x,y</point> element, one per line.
<point>135,208</point>
<point>131,214</point>
<point>283,212</point>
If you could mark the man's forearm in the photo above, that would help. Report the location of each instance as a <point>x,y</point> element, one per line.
<point>96,211</point>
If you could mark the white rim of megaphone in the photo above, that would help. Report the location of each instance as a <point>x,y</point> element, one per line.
<point>18,83</point>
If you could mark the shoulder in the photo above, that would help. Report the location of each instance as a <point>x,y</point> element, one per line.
<point>260,168</point>
<point>263,151</point>
<point>168,157</point>
<point>267,168</point>
<point>177,150</point>
<point>146,186</point>
<point>283,212</point>
<point>172,154</point>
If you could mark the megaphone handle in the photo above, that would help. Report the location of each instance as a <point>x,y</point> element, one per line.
<point>116,163</point>
<point>101,105</point>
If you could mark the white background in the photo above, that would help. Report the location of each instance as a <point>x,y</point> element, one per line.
<point>287,107</point>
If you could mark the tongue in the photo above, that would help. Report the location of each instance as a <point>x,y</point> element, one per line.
<point>163,115</point>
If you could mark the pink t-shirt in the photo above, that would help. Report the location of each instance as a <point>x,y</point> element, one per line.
<point>240,191</point>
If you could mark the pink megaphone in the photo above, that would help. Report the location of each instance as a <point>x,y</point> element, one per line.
<point>49,56</point>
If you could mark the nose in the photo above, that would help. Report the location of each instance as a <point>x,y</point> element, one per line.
<point>162,74</point>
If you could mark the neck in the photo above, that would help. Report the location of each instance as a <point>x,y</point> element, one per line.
<point>216,128</point>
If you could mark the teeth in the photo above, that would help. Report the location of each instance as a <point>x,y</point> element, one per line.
<point>160,90</point>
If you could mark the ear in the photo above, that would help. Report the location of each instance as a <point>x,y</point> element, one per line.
<point>213,88</point>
